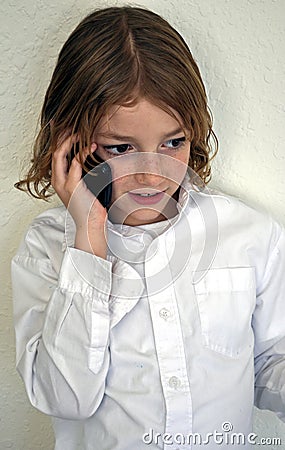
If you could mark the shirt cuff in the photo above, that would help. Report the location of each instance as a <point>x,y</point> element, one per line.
<point>85,273</point>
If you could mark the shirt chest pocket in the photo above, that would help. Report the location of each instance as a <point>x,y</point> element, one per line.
<point>226,300</point>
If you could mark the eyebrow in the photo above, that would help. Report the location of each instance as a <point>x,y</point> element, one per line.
<point>120,137</point>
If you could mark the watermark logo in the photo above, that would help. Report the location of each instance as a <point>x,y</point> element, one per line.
<point>225,436</point>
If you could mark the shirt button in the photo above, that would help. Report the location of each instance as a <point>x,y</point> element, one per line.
<point>165,313</point>
<point>174,382</point>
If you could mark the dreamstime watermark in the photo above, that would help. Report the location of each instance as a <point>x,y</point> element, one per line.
<point>225,437</point>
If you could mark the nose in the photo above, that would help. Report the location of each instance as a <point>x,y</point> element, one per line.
<point>148,170</point>
<point>148,179</point>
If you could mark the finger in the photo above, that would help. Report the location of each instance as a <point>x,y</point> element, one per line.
<point>87,151</point>
<point>74,174</point>
<point>59,161</point>
<point>75,170</point>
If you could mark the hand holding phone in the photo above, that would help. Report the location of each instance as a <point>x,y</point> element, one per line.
<point>88,215</point>
<point>98,178</point>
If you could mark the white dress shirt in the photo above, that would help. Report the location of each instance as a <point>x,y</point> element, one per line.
<point>160,345</point>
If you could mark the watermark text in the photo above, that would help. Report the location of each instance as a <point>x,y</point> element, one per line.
<point>226,436</point>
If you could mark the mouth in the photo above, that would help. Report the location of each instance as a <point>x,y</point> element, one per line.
<point>147,197</point>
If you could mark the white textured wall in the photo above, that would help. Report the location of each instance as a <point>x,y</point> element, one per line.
<point>239,45</point>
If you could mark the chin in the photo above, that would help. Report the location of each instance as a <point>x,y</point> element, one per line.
<point>144,217</point>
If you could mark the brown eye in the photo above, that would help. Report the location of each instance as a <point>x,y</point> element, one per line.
<point>116,149</point>
<point>175,143</point>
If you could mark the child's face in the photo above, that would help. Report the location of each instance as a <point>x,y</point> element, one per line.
<point>152,162</point>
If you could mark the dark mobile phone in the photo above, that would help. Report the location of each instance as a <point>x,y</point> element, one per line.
<point>97,178</point>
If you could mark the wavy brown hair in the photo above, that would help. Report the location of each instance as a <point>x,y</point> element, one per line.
<point>115,56</point>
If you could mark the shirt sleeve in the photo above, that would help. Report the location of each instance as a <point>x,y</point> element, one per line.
<point>62,324</point>
<point>269,329</point>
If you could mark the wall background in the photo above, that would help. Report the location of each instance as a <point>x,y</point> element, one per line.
<point>239,46</point>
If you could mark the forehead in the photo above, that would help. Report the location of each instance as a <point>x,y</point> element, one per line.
<point>141,115</point>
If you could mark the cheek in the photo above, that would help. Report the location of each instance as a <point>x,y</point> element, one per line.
<point>120,185</point>
<point>180,165</point>
<point>184,154</point>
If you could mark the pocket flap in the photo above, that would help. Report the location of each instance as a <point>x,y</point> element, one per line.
<point>225,280</point>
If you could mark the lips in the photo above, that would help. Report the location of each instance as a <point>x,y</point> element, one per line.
<point>147,197</point>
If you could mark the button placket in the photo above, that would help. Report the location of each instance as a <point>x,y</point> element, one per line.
<point>172,364</point>
<point>169,341</point>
